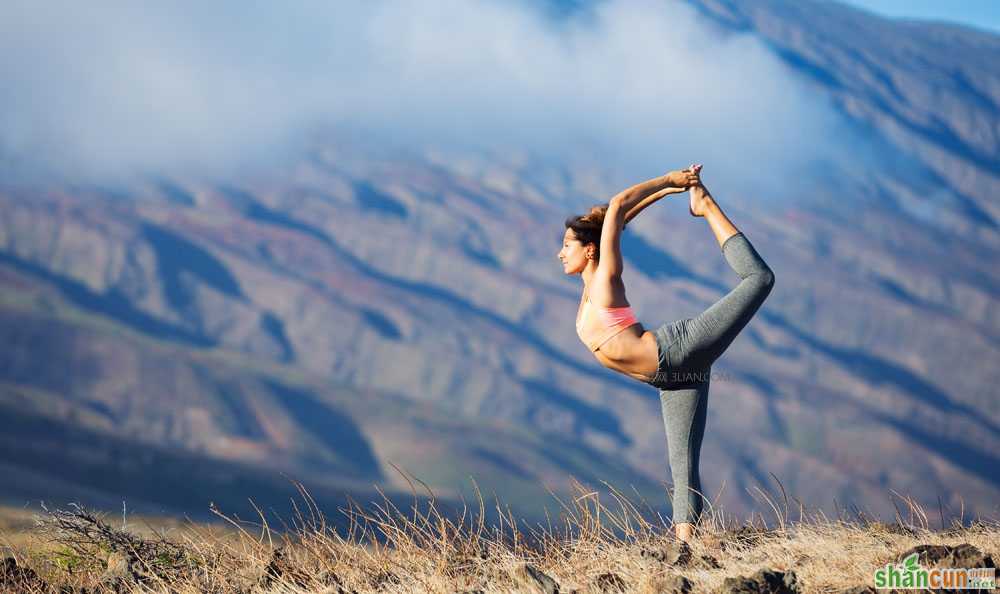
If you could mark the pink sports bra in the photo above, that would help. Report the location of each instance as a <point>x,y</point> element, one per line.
<point>594,331</point>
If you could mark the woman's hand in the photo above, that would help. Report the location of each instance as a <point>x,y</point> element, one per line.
<point>642,195</point>
<point>685,178</point>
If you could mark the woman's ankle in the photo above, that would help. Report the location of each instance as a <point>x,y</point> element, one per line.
<point>684,531</point>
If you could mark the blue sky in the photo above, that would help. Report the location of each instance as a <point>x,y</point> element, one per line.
<point>983,14</point>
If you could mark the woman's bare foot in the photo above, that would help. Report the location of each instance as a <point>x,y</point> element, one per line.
<point>700,202</point>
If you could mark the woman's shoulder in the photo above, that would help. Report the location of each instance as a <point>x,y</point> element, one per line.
<point>607,292</point>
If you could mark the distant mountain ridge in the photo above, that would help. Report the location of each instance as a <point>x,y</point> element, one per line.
<point>931,90</point>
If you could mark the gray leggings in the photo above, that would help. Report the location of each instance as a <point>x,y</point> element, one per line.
<point>687,349</point>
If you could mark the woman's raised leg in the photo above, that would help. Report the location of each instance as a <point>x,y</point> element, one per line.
<point>706,336</point>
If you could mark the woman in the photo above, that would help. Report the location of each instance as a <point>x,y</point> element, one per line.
<point>676,358</point>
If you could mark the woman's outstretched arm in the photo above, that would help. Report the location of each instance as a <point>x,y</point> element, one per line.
<point>635,210</point>
<point>638,193</point>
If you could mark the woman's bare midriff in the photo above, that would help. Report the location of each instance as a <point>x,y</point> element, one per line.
<point>633,352</point>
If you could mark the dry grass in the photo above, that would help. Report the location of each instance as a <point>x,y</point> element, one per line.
<point>593,546</point>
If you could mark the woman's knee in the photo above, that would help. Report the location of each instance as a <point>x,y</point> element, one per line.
<point>767,276</point>
<point>760,283</point>
<point>764,279</point>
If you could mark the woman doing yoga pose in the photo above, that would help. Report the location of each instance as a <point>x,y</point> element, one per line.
<point>675,358</point>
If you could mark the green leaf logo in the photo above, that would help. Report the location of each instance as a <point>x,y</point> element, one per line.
<point>911,563</point>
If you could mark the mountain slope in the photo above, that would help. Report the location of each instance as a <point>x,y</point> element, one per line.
<point>365,306</point>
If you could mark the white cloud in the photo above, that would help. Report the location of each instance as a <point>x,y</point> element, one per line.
<point>106,87</point>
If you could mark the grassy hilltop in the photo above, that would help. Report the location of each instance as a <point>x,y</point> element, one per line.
<point>592,546</point>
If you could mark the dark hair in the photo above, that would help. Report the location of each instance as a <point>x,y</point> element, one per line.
<point>587,228</point>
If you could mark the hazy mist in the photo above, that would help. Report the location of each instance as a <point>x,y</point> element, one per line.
<point>110,88</point>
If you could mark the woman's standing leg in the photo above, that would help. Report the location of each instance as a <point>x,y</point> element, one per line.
<point>685,411</point>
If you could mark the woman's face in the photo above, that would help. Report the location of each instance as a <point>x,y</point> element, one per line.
<point>573,254</point>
